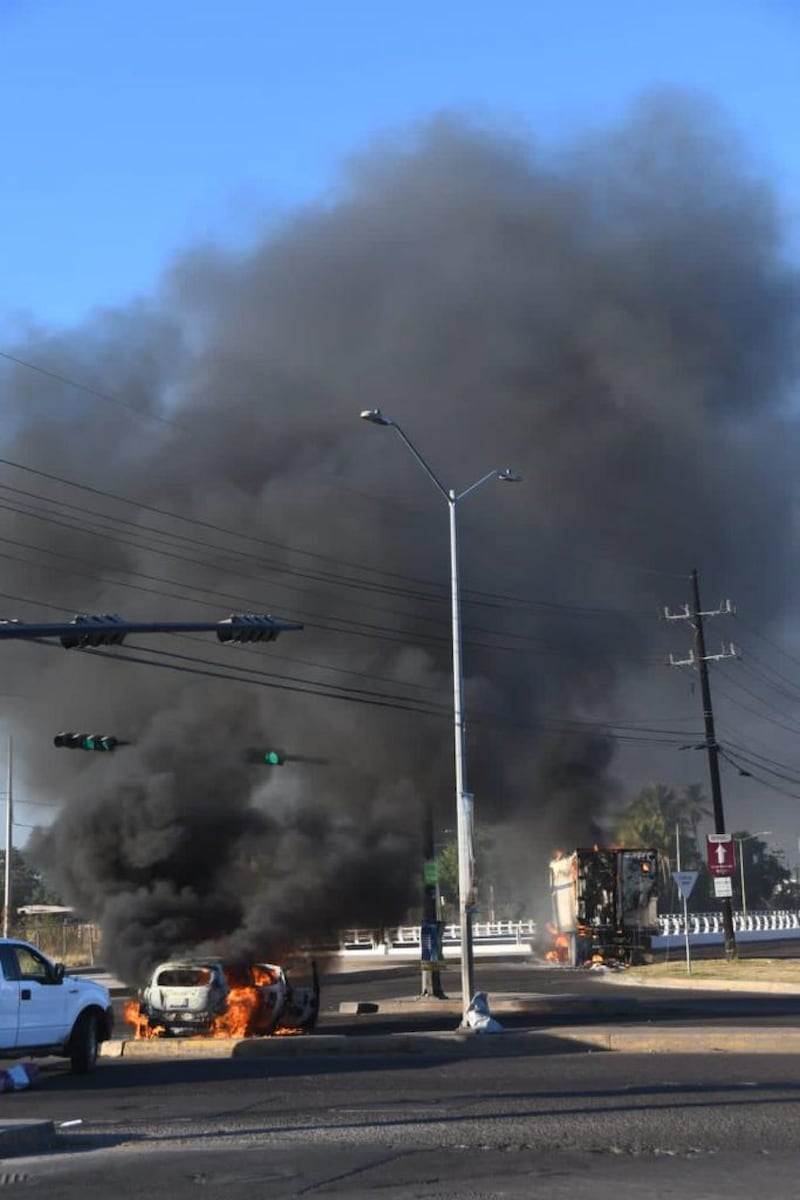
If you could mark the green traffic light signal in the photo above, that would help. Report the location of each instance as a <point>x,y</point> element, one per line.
<point>269,758</point>
<point>93,742</point>
<point>87,741</point>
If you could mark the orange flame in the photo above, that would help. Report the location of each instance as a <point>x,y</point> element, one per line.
<point>240,1018</point>
<point>141,1025</point>
<point>559,951</point>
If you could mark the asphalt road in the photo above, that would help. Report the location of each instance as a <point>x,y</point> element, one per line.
<point>558,997</point>
<point>571,1125</point>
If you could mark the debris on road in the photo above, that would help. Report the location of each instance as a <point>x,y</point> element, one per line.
<point>19,1077</point>
<point>479,1018</point>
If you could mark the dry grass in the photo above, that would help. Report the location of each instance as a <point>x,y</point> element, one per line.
<point>759,970</point>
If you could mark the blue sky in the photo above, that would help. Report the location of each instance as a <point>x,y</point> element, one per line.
<point>132,128</point>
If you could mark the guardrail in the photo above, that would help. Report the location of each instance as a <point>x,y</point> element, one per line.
<point>485,934</point>
<point>782,921</point>
<point>496,936</point>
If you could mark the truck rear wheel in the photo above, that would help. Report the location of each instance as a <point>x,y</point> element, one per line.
<point>83,1044</point>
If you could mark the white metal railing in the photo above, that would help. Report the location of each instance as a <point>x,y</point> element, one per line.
<point>671,924</point>
<point>520,933</point>
<point>483,932</point>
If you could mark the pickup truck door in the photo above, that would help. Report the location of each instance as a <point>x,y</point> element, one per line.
<point>9,1000</point>
<point>43,1004</point>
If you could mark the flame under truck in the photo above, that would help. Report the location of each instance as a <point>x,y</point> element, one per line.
<point>605,904</point>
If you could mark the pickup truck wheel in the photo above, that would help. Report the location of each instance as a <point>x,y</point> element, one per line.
<point>83,1044</point>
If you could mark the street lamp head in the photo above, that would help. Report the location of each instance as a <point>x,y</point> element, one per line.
<point>375,416</point>
<point>508,476</point>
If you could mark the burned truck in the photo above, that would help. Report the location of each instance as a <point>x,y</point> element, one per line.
<point>604,904</point>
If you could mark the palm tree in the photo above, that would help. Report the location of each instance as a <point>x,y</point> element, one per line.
<point>649,819</point>
<point>693,808</point>
<point>656,817</point>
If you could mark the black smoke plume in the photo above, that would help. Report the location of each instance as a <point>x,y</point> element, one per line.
<point>615,319</point>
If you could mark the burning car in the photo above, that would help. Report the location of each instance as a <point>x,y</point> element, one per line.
<point>218,999</point>
<point>283,1005</point>
<point>185,996</point>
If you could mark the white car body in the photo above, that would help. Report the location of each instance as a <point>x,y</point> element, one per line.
<point>44,1011</point>
<point>288,1006</point>
<point>185,995</point>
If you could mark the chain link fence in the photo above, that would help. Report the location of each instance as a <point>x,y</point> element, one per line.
<point>62,938</point>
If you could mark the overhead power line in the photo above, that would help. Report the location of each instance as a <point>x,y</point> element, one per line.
<point>438,595</point>
<point>759,778</point>
<point>643,733</point>
<point>142,413</point>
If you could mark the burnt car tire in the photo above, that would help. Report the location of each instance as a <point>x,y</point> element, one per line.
<point>83,1044</point>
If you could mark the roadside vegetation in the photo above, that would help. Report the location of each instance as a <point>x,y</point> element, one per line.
<point>742,970</point>
<point>669,820</point>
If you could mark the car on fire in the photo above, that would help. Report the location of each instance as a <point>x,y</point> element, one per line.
<point>210,996</point>
<point>185,995</point>
<point>284,1005</point>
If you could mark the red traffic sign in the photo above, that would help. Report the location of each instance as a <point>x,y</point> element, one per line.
<point>721,858</point>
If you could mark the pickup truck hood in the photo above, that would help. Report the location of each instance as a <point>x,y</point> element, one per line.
<point>88,988</point>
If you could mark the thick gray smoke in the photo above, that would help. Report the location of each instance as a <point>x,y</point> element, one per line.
<point>616,321</point>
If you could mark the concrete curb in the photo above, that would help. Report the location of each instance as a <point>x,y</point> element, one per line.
<point>26,1137</point>
<point>650,1039</point>
<point>537,1004</point>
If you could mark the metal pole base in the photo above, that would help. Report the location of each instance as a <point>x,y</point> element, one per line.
<point>431,987</point>
<point>727,924</point>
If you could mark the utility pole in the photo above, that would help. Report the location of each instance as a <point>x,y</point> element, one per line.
<point>699,658</point>
<point>9,848</point>
<point>431,932</point>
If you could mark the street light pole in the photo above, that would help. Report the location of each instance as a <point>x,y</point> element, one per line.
<point>464,827</point>
<point>466,898</point>
<point>9,848</point>
<point>741,841</point>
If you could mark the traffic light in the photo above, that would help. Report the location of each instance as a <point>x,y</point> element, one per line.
<point>272,758</point>
<point>252,627</point>
<point>86,741</point>
<point>86,634</point>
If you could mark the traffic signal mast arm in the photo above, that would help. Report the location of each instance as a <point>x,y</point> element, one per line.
<point>107,629</point>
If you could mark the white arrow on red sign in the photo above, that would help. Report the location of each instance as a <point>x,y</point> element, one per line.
<point>721,860</point>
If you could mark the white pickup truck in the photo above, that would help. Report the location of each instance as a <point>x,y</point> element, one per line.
<point>43,1011</point>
